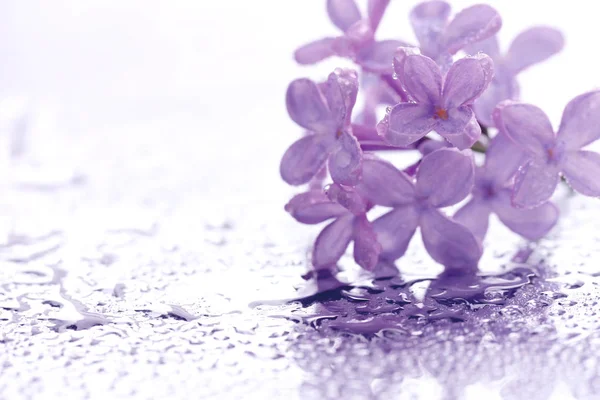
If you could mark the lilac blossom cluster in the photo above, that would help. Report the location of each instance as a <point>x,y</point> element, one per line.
<point>450,95</point>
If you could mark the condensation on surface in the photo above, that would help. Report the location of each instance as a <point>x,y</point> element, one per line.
<point>150,278</point>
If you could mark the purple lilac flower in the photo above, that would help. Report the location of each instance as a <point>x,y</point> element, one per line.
<point>530,47</point>
<point>550,154</point>
<point>440,38</point>
<point>348,210</point>
<point>491,194</point>
<point>358,40</point>
<point>443,178</point>
<point>440,103</point>
<point>325,111</point>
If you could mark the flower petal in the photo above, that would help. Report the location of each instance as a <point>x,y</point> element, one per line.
<point>534,184</point>
<point>375,11</point>
<point>340,91</point>
<point>446,176</point>
<point>580,123</point>
<point>304,158</point>
<point>502,160</point>
<point>406,123</point>
<point>335,100</point>
<point>526,125</point>
<point>475,215</point>
<point>332,242</point>
<point>533,46</point>
<point>348,198</point>
<point>366,246</point>
<point>471,25</point>
<point>422,79</point>
<point>428,19</point>
<point>395,229</point>
<point>385,185</point>
<point>313,52</point>
<point>448,242</point>
<point>582,171</point>
<point>400,56</point>
<point>313,207</point>
<point>466,80</point>
<point>345,162</point>
<point>378,57</point>
<point>465,140</point>
<point>532,223</point>
<point>454,128</point>
<point>343,13</point>
<point>307,107</point>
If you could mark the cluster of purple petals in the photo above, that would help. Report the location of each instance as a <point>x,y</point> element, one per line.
<point>444,107</point>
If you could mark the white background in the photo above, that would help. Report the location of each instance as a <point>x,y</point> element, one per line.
<point>221,67</point>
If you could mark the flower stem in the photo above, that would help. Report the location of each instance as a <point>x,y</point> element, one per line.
<point>479,147</point>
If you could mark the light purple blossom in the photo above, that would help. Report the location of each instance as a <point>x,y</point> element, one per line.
<point>550,154</point>
<point>440,103</point>
<point>439,38</point>
<point>428,92</point>
<point>491,194</point>
<point>358,39</point>
<point>443,178</point>
<point>530,47</point>
<point>325,111</point>
<point>348,210</point>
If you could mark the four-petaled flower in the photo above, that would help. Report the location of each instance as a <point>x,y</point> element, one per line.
<point>491,194</point>
<point>523,163</point>
<point>358,40</point>
<point>439,103</point>
<point>550,154</point>
<point>443,178</point>
<point>348,209</point>
<point>325,110</point>
<point>440,38</point>
<point>530,47</point>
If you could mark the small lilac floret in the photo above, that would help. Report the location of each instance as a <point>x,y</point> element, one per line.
<point>439,38</point>
<point>491,194</point>
<point>358,39</point>
<point>325,111</point>
<point>549,154</point>
<point>348,210</point>
<point>443,178</point>
<point>440,103</point>
<point>530,47</point>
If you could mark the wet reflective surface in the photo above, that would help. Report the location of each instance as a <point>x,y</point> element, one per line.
<point>147,278</point>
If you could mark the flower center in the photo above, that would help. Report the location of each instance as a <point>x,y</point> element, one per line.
<point>441,113</point>
<point>555,153</point>
<point>338,134</point>
<point>488,191</point>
